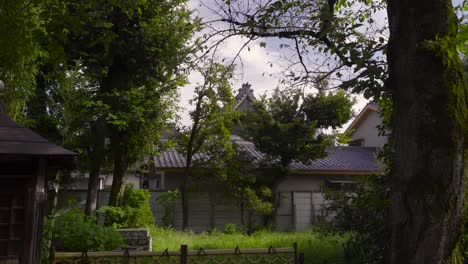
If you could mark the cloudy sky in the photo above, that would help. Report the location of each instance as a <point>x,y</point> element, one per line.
<point>254,64</point>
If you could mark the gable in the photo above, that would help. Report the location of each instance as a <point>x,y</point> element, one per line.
<point>364,128</point>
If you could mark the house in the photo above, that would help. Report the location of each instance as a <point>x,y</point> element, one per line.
<point>301,192</point>
<point>364,128</point>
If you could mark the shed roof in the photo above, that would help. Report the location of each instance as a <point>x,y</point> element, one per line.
<point>358,160</point>
<point>19,140</point>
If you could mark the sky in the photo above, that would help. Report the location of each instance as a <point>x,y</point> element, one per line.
<point>255,66</point>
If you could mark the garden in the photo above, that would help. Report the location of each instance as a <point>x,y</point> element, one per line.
<point>72,231</point>
<point>107,79</point>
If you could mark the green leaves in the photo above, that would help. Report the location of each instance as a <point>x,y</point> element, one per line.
<point>80,233</point>
<point>286,127</point>
<point>135,211</point>
<point>332,110</point>
<point>213,115</point>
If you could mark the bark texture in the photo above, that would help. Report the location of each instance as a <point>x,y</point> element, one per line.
<point>184,197</point>
<point>97,154</point>
<point>120,167</point>
<point>428,173</point>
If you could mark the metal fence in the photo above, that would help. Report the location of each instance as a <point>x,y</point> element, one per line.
<point>184,256</point>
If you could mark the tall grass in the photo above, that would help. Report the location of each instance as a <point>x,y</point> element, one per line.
<point>316,247</point>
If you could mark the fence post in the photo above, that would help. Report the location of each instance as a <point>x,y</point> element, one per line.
<point>295,252</point>
<point>347,255</point>
<point>52,254</point>
<point>183,254</point>
<point>301,258</point>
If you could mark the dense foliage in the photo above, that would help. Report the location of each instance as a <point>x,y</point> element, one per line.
<point>79,72</point>
<point>362,213</point>
<point>289,126</point>
<point>134,212</point>
<point>74,231</point>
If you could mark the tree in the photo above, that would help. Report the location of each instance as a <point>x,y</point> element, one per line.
<point>430,120</point>
<point>133,52</point>
<point>235,175</point>
<point>212,121</point>
<point>243,183</point>
<point>286,129</point>
<point>19,52</point>
<point>425,81</point>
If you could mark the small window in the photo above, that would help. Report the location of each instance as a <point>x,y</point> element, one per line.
<point>342,186</point>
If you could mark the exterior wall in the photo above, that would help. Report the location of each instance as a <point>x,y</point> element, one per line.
<point>173,180</point>
<point>310,182</point>
<point>297,211</point>
<point>302,182</point>
<point>301,204</point>
<point>368,131</point>
<point>81,182</point>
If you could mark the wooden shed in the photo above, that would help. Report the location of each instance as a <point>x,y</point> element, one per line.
<point>25,159</point>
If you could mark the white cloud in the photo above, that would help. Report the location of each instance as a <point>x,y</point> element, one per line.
<point>253,65</point>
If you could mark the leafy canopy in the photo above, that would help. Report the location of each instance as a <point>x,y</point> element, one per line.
<point>286,127</point>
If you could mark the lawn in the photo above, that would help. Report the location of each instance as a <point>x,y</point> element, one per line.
<point>316,247</point>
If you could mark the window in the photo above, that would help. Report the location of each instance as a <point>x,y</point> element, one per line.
<point>342,186</point>
<point>153,182</point>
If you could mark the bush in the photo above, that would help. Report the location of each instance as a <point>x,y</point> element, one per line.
<point>135,211</point>
<point>74,231</point>
<point>167,201</point>
<point>231,229</point>
<point>362,213</point>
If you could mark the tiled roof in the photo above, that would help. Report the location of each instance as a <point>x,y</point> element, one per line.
<point>339,159</point>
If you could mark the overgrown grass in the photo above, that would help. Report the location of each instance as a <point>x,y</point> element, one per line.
<point>316,247</point>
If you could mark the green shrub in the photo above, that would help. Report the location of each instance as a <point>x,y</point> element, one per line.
<point>231,229</point>
<point>75,231</point>
<point>362,214</point>
<point>135,211</point>
<point>167,201</point>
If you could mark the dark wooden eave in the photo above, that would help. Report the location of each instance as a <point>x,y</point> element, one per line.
<point>17,140</point>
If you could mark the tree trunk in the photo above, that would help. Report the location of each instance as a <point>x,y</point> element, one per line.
<point>53,209</point>
<point>275,199</point>
<point>120,167</point>
<point>429,122</point>
<point>97,156</point>
<point>185,205</point>
<point>242,215</point>
<point>92,194</point>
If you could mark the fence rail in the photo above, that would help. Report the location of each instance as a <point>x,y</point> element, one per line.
<point>184,256</point>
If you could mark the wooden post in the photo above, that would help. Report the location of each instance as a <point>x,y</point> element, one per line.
<point>52,255</point>
<point>183,254</point>
<point>347,255</point>
<point>295,252</point>
<point>301,258</point>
